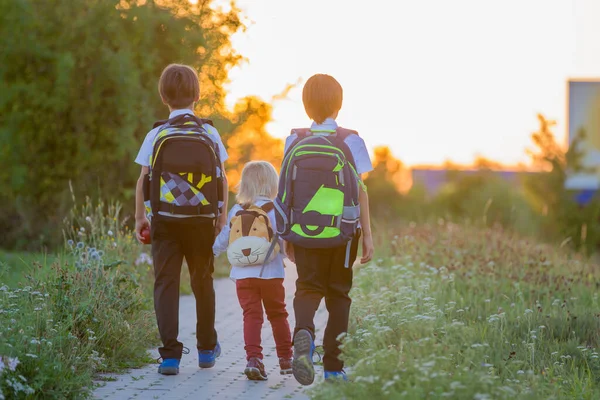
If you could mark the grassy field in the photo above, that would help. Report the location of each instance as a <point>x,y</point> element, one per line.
<point>458,312</point>
<point>446,311</point>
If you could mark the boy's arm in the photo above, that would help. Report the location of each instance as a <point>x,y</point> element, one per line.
<point>141,221</point>
<point>365,223</point>
<point>222,221</point>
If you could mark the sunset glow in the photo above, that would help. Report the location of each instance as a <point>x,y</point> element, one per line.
<point>435,80</point>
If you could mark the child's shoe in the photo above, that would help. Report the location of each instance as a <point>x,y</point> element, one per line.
<point>207,358</point>
<point>169,366</point>
<point>332,376</point>
<point>255,370</point>
<point>302,366</point>
<point>285,366</point>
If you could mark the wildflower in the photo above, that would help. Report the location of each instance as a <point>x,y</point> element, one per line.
<point>95,256</point>
<point>34,341</point>
<point>88,219</point>
<point>82,229</point>
<point>12,363</point>
<point>31,355</point>
<point>80,245</point>
<point>110,233</point>
<point>520,372</point>
<point>70,243</point>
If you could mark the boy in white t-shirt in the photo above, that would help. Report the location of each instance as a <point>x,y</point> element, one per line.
<point>321,271</point>
<point>176,235</point>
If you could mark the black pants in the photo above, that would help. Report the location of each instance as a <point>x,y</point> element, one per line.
<point>321,273</point>
<point>172,240</point>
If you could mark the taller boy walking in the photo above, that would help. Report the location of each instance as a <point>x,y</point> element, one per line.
<point>183,188</point>
<point>323,208</point>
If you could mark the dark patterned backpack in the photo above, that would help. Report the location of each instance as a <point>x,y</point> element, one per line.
<point>185,175</point>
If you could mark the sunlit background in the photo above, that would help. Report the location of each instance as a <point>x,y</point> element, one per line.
<point>434,80</point>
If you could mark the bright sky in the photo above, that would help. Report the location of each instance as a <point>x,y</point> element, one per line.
<point>433,79</point>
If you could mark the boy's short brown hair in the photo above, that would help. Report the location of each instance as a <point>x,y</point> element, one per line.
<point>178,85</point>
<point>322,97</point>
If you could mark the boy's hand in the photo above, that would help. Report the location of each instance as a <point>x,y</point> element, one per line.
<point>367,249</point>
<point>289,251</point>
<point>220,225</point>
<point>140,225</point>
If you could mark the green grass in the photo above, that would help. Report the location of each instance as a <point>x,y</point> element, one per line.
<point>14,267</point>
<point>464,313</point>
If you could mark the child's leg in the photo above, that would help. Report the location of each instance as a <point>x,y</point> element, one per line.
<point>338,305</point>
<point>197,238</point>
<point>167,257</point>
<point>248,292</point>
<point>273,297</point>
<point>313,267</point>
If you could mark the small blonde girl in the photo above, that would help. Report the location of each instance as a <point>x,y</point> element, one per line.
<point>259,285</point>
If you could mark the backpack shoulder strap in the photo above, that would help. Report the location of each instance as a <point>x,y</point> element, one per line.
<point>199,121</point>
<point>343,133</point>
<point>160,123</point>
<point>300,132</point>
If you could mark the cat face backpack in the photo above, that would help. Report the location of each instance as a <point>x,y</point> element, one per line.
<point>252,240</point>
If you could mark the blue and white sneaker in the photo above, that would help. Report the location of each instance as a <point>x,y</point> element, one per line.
<point>302,366</point>
<point>332,376</point>
<point>207,358</point>
<point>169,366</point>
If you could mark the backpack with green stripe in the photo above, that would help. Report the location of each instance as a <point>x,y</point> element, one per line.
<point>317,201</point>
<point>185,175</point>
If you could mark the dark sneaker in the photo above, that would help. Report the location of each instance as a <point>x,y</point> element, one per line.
<point>302,366</point>
<point>169,366</point>
<point>285,366</point>
<point>255,370</point>
<point>207,358</point>
<point>332,376</point>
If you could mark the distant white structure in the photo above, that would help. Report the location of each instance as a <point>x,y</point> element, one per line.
<point>583,112</point>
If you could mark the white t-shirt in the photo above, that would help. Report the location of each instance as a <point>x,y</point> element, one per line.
<point>143,157</point>
<point>355,143</point>
<point>273,269</point>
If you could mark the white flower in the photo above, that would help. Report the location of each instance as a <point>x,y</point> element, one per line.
<point>88,219</point>
<point>35,341</point>
<point>12,363</point>
<point>82,229</point>
<point>31,355</point>
<point>110,233</point>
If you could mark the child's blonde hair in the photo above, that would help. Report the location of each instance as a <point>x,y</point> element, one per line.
<point>259,178</point>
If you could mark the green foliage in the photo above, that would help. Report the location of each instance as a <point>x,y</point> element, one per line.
<point>78,93</point>
<point>469,313</point>
<point>87,313</point>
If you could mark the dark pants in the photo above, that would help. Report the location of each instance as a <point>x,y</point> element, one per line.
<point>253,293</point>
<point>172,240</point>
<point>321,273</point>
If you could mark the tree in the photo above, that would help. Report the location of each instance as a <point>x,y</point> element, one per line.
<point>78,92</point>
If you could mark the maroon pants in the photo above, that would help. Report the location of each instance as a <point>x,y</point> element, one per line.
<point>252,294</point>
